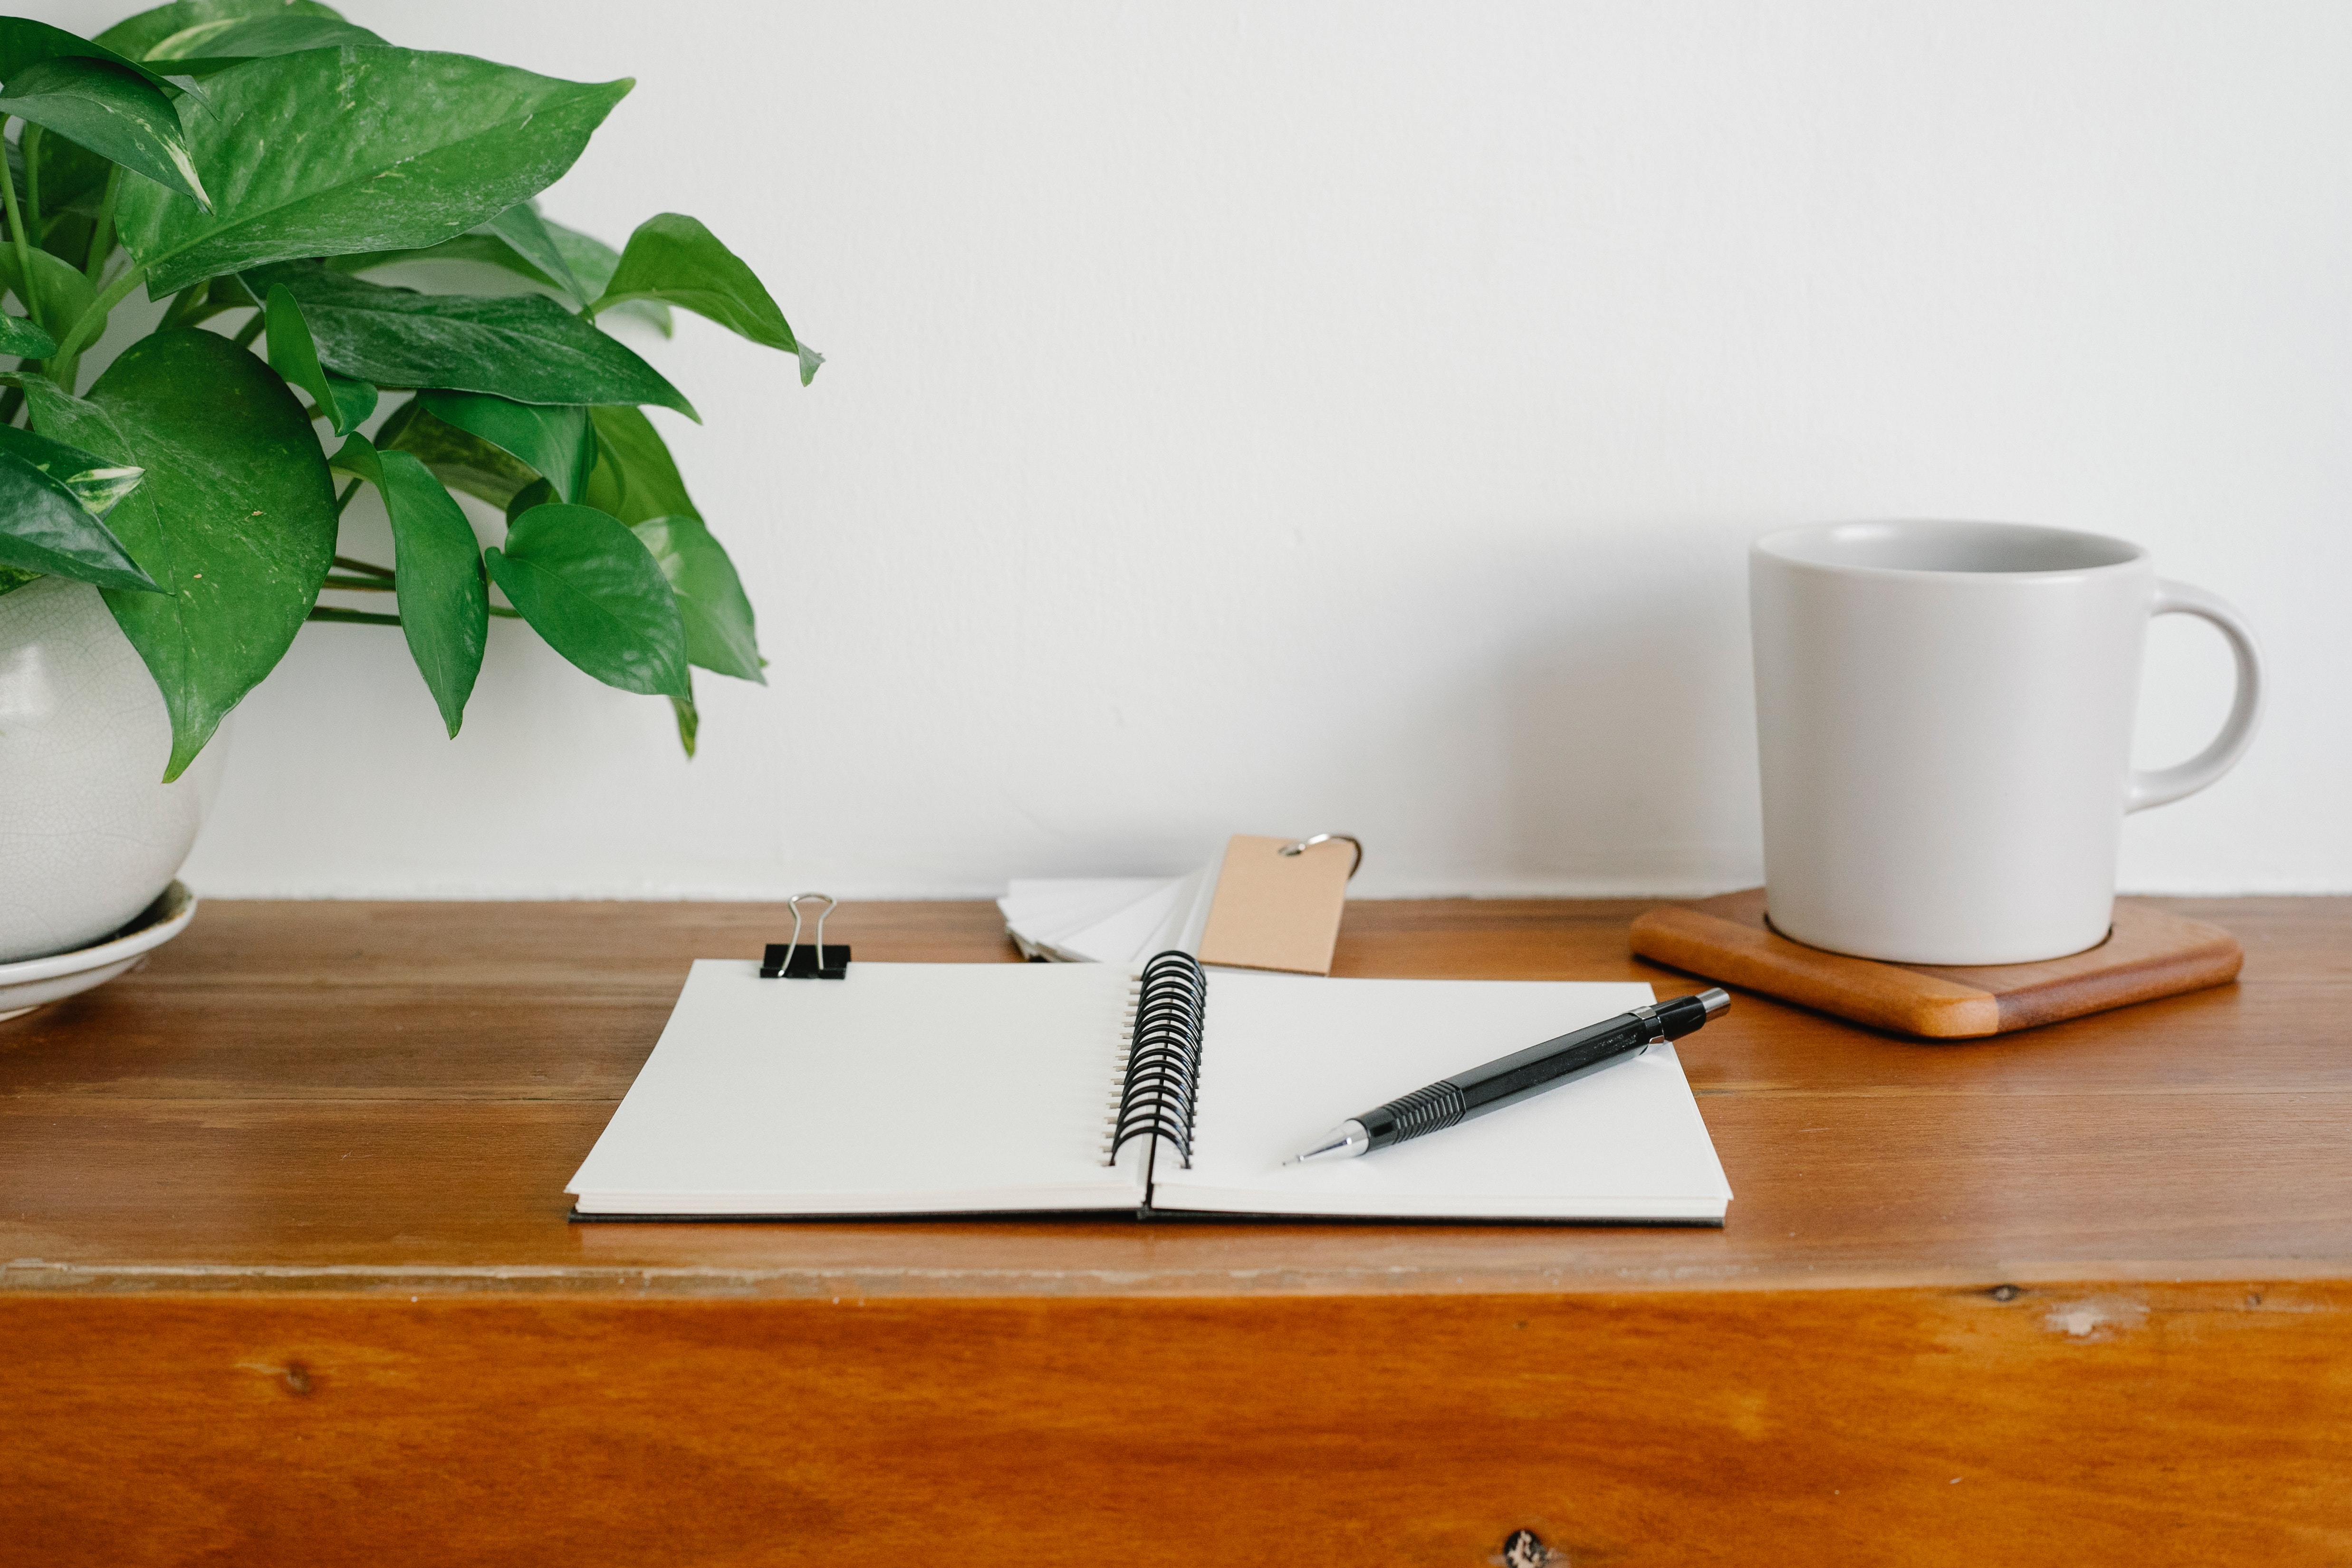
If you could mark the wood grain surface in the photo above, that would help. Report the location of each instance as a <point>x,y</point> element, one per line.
<point>2149,952</point>
<point>2169,1425</point>
<point>284,1278</point>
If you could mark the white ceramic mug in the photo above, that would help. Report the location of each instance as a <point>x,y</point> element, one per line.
<point>1944,717</point>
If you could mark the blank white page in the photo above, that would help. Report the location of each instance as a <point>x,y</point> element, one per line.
<point>1289,1057</point>
<point>901,1089</point>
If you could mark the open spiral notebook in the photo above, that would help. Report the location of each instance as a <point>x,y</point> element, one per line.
<point>907,1089</point>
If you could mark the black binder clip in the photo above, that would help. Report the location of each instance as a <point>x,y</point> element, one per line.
<point>791,961</point>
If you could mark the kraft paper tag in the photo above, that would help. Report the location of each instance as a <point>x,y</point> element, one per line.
<point>1273,911</point>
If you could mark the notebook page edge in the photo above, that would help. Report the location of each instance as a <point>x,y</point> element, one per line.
<point>1323,1205</point>
<point>660,1092</point>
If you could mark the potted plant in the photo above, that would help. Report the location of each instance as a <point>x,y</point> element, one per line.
<point>248,165</point>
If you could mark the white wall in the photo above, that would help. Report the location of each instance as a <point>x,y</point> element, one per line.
<point>1272,418</point>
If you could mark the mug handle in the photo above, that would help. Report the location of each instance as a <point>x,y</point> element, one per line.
<point>2161,787</point>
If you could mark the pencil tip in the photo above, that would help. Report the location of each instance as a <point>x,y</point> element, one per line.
<point>1344,1141</point>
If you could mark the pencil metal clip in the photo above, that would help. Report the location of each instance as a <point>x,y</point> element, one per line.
<point>1304,844</point>
<point>791,961</point>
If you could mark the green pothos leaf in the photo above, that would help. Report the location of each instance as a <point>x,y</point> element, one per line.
<point>634,478</point>
<point>72,182</point>
<point>538,492</point>
<point>380,150</point>
<point>59,291</point>
<point>25,43</point>
<point>292,355</point>
<point>459,458</point>
<point>48,523</point>
<point>95,482</point>
<point>525,347</point>
<point>20,337</point>
<point>690,718</point>
<point>524,232</point>
<point>236,42</point>
<point>717,613</point>
<point>236,519</point>
<point>445,602</point>
<point>555,442</point>
<point>571,264</point>
<point>637,481</point>
<point>182,26</point>
<point>588,586</point>
<point>112,109</point>
<point>594,262</point>
<point>675,259</point>
<point>356,400</point>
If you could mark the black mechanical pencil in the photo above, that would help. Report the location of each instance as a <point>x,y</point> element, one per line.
<point>1514,1078</point>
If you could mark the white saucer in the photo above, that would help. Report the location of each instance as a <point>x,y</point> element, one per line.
<point>34,980</point>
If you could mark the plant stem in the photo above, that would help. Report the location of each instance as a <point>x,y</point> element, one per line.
<point>370,618</point>
<point>16,228</point>
<point>359,585</point>
<point>184,301</point>
<point>342,501</point>
<point>94,320</point>
<point>369,567</point>
<point>101,238</point>
<point>247,333</point>
<point>26,140</point>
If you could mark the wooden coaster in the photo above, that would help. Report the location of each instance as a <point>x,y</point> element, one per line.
<point>2148,953</point>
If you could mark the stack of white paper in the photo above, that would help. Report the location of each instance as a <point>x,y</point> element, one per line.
<point>1114,920</point>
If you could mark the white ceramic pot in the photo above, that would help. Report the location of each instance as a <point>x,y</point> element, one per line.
<point>89,834</point>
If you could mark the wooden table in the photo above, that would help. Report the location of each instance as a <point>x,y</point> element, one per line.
<point>285,1278</point>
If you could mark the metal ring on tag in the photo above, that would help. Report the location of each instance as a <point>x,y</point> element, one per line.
<point>1304,844</point>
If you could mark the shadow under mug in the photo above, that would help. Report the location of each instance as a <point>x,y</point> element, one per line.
<point>1943,716</point>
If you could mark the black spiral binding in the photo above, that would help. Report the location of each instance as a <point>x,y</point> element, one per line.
<point>1164,1061</point>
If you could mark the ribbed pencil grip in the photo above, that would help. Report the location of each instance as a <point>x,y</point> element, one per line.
<point>1430,1109</point>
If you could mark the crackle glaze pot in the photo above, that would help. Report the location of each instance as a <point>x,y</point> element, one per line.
<point>88,834</point>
